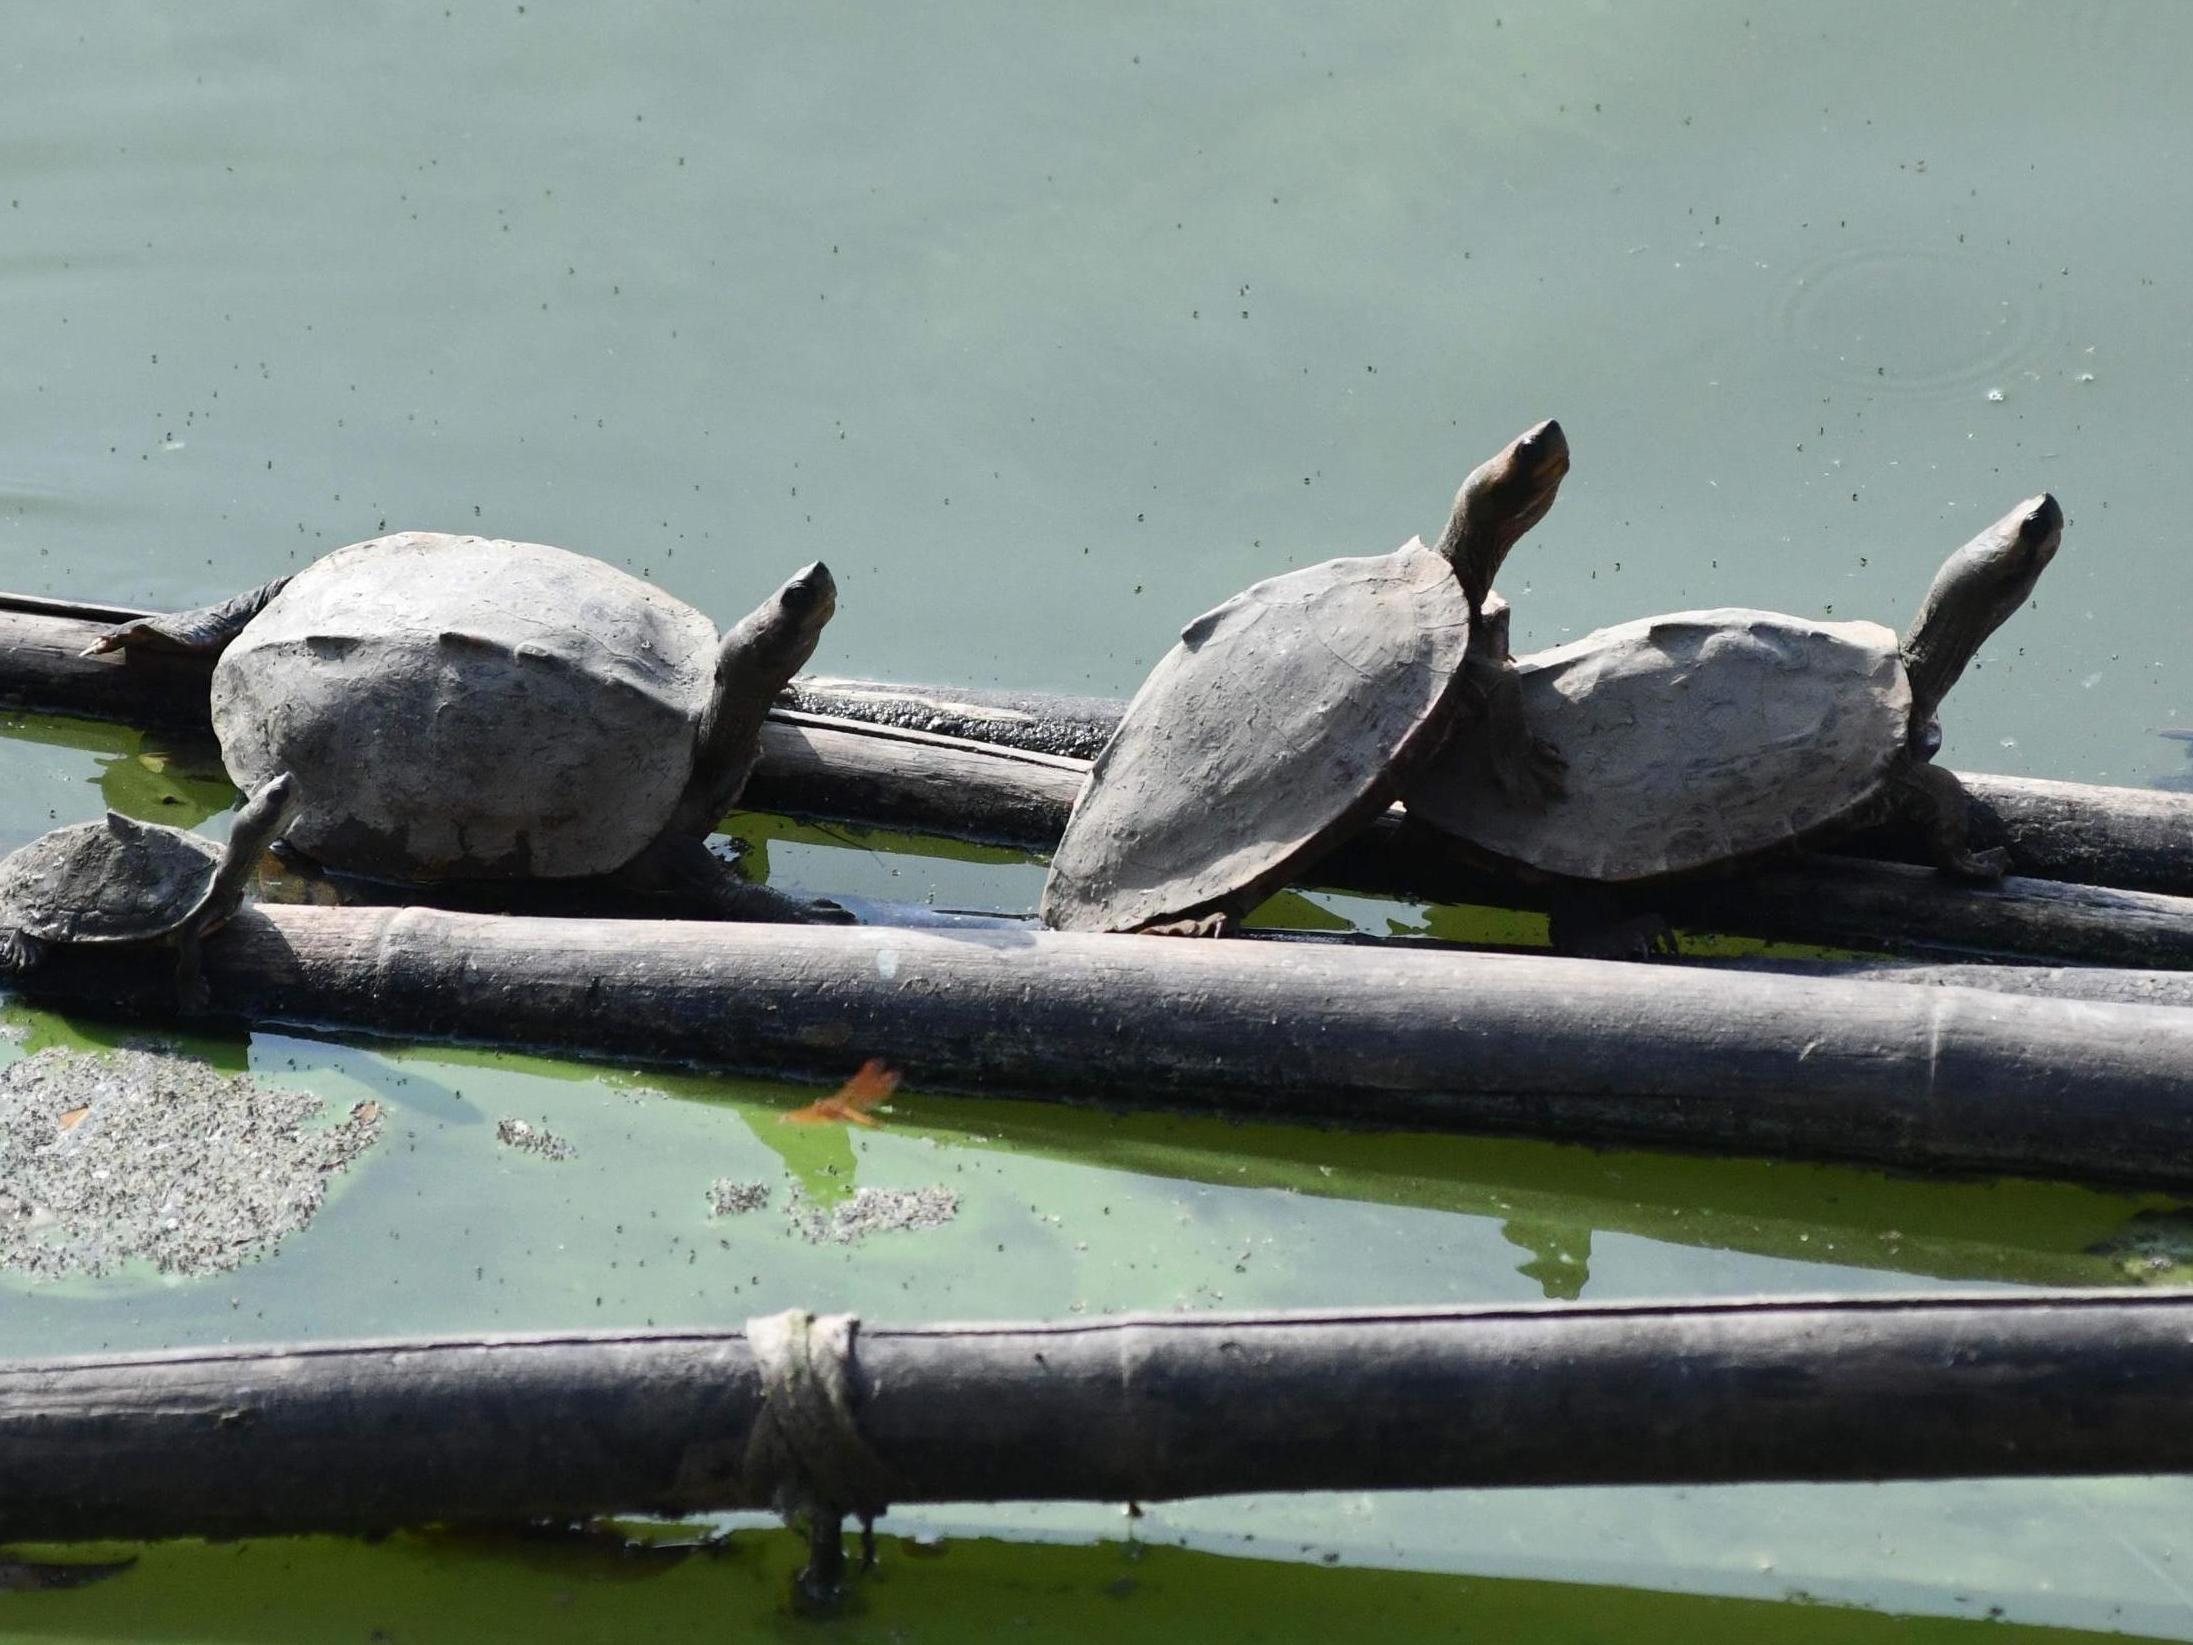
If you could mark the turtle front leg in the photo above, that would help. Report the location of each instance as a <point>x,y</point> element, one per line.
<point>1937,804</point>
<point>1528,769</point>
<point>191,994</point>
<point>204,632</point>
<point>19,952</point>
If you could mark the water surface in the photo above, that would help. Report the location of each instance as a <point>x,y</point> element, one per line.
<point>1049,328</point>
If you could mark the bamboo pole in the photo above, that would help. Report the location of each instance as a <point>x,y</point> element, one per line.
<point>372,1436</point>
<point>2136,839</point>
<point>1925,1078</point>
<point>2063,982</point>
<point>863,773</point>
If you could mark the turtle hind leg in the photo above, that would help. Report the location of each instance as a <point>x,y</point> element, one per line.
<point>1936,802</point>
<point>1216,922</point>
<point>687,868</point>
<point>1590,922</point>
<point>204,632</point>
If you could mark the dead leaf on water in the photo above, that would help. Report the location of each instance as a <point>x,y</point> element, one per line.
<point>851,1102</point>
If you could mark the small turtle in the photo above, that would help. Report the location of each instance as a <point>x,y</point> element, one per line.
<point>1286,717</point>
<point>461,708</point>
<point>127,881</point>
<point>1699,738</point>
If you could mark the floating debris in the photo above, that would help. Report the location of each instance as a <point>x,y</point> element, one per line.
<point>871,1211</point>
<point>533,1139</point>
<point>850,1103</point>
<point>131,1156</point>
<point>729,1199</point>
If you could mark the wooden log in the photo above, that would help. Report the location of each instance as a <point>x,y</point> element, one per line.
<point>1924,1078</point>
<point>372,1436</point>
<point>856,772</point>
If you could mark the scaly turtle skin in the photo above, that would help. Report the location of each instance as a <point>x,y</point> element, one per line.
<point>1700,738</point>
<point>1286,717</point>
<point>461,708</point>
<point>124,881</point>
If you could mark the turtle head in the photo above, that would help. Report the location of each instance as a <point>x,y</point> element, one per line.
<point>259,823</point>
<point>771,643</point>
<point>1503,498</point>
<point>1976,590</point>
<point>776,639</point>
<point>759,655</point>
<point>808,599</point>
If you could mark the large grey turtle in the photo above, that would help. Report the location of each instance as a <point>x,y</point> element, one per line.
<point>1287,716</point>
<point>1706,736</point>
<point>124,881</point>
<point>462,708</point>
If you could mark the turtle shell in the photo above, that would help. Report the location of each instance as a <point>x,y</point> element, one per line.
<point>117,880</point>
<point>1691,739</point>
<point>1280,720</point>
<point>462,707</point>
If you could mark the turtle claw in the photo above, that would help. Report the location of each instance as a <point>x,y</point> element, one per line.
<point>1979,867</point>
<point>19,952</point>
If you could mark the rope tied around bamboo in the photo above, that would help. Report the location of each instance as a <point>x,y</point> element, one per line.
<point>806,1455</point>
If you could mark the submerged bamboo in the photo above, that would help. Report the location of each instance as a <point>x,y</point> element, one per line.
<point>1926,1078</point>
<point>371,1436</point>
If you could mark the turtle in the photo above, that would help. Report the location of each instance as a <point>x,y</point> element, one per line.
<point>1287,716</point>
<point>125,881</point>
<point>1703,738</point>
<point>466,708</point>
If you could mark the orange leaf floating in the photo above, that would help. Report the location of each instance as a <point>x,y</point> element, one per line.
<point>850,1102</point>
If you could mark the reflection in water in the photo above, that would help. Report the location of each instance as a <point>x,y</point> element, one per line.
<point>2179,777</point>
<point>1560,1256</point>
<point>672,1583</point>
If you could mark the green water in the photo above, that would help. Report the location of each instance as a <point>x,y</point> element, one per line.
<point>1048,327</point>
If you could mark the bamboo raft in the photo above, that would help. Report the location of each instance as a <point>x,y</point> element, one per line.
<point>1940,1068</point>
<point>2102,872</point>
